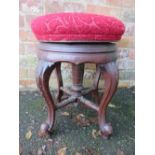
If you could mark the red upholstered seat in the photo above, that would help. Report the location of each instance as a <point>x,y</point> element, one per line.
<point>77,27</point>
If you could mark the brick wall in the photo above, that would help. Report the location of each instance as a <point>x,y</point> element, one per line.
<point>123,9</point>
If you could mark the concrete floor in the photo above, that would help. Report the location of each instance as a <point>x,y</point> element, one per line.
<point>70,133</point>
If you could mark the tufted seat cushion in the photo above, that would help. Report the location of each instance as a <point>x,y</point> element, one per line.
<point>77,27</point>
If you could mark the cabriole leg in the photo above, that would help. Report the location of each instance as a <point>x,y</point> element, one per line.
<point>110,75</point>
<point>43,73</point>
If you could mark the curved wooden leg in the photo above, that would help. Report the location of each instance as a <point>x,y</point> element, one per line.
<point>110,75</point>
<point>96,83</point>
<point>43,73</point>
<point>60,82</point>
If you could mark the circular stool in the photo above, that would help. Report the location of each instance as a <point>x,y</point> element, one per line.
<point>77,38</point>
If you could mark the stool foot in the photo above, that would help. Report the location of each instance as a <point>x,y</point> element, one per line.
<point>106,130</point>
<point>110,75</point>
<point>44,128</point>
<point>43,73</point>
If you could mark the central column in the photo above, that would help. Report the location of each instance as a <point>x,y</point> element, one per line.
<point>77,77</point>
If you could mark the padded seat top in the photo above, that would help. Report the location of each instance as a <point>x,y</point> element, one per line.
<point>75,27</point>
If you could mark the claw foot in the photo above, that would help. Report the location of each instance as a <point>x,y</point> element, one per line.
<point>44,129</point>
<point>106,130</point>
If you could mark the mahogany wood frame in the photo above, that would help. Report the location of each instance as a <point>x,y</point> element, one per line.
<point>51,55</point>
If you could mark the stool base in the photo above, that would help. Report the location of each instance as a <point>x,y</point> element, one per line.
<point>107,70</point>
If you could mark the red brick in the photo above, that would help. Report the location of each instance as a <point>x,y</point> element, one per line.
<point>22,35</point>
<point>31,48</point>
<point>101,2</point>
<point>122,53</point>
<point>29,18</point>
<point>53,6</point>
<point>31,6</point>
<point>22,82</point>
<point>128,15</point>
<point>123,84</point>
<point>124,64</point>
<point>130,29</point>
<point>20,3</point>
<point>26,35</point>
<point>104,10</point>
<point>126,75</point>
<point>129,3</point>
<point>21,48</point>
<point>132,54</point>
<point>23,73</point>
<point>21,21</point>
<point>73,7</point>
<point>127,42</point>
<point>31,73</point>
<point>22,63</point>
<point>98,9</point>
<point>27,83</point>
<point>56,6</point>
<point>115,2</point>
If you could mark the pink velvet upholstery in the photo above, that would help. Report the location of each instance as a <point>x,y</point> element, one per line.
<point>77,27</point>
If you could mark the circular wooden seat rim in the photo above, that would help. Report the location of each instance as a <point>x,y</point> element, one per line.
<point>77,53</point>
<point>78,47</point>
